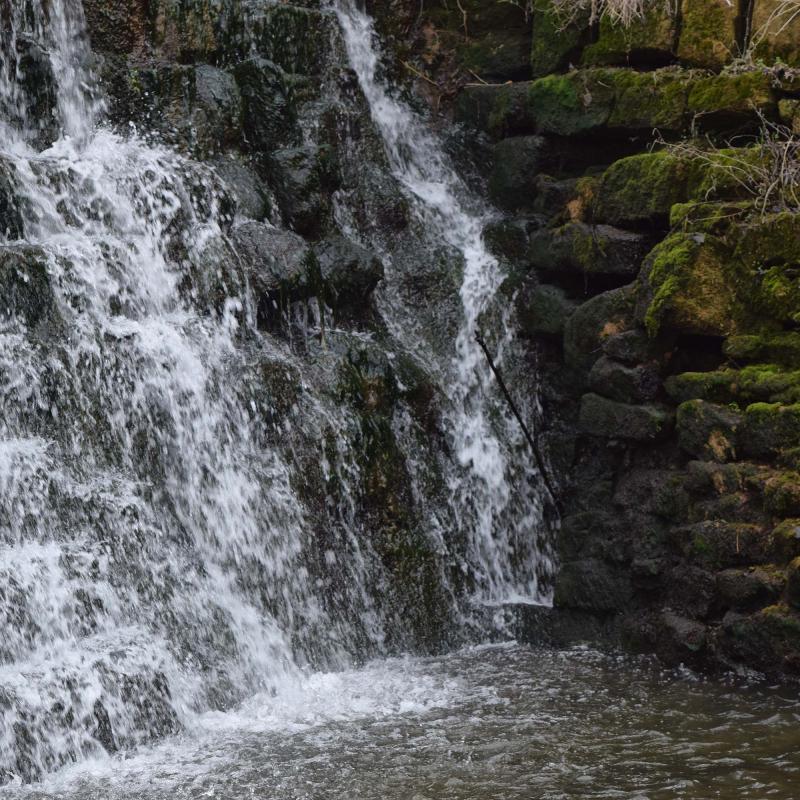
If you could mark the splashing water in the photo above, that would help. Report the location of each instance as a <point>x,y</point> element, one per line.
<point>157,561</point>
<point>498,497</point>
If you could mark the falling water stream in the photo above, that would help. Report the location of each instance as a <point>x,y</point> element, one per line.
<point>169,627</point>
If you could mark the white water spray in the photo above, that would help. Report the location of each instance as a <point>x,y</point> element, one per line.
<point>497,495</point>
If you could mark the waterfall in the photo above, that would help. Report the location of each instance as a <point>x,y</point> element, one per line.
<point>497,496</point>
<point>157,558</point>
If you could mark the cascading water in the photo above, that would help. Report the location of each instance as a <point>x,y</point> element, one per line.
<point>497,498</point>
<point>157,558</point>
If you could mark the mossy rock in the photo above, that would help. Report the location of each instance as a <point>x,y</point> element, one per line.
<point>556,41</point>
<point>517,162</point>
<point>649,38</point>
<point>781,348</point>
<point>758,382</point>
<point>775,32</point>
<point>643,188</point>
<point>708,431</point>
<point>708,35</point>
<point>590,249</point>
<point>770,428</point>
<point>722,101</point>
<point>750,588</point>
<point>592,585</point>
<point>768,641</point>
<point>718,544</point>
<point>600,416</point>
<point>786,540</point>
<point>544,310</point>
<point>595,321</point>
<point>689,286</point>
<point>782,494</point>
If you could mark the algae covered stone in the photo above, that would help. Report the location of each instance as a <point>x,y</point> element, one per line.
<point>708,35</point>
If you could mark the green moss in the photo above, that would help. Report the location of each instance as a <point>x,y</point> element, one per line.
<point>691,284</point>
<point>782,494</point>
<point>708,33</point>
<point>770,428</point>
<point>569,104</point>
<point>654,33</point>
<point>739,93</point>
<point>780,348</point>
<point>555,42</point>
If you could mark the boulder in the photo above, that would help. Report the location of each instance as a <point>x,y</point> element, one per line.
<point>793,584</point>
<point>592,585</point>
<point>303,179</point>
<point>649,38</point>
<point>349,272</point>
<point>775,32</point>
<point>275,261</point>
<point>768,641</point>
<point>517,162</point>
<point>627,384</point>
<point>603,316</point>
<point>680,640</point>
<point>769,428</point>
<point>268,108</point>
<point>602,417</point>
<point>750,588</point>
<point>116,28</point>
<point>248,191</point>
<point>591,249</point>
<point>629,347</point>
<point>543,309</point>
<point>708,36</point>
<point>708,431</point>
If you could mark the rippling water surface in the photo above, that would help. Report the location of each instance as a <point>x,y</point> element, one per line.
<point>488,722</point>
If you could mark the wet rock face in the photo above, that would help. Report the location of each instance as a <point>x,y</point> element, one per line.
<point>663,303</point>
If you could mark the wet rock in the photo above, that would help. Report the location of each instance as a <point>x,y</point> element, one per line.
<point>629,347</point>
<point>26,290</point>
<point>591,249</point>
<point>11,224</point>
<point>544,310</point>
<point>268,107</point>
<point>290,35</point>
<point>716,544</point>
<point>626,384</point>
<point>39,88</point>
<point>690,591</point>
<point>349,272</point>
<point>276,262</point>
<point>304,178</point>
<point>681,639</point>
<point>602,417</point>
<point>708,431</point>
<point>769,428</point>
<point>603,316</point>
<point>768,640</point>
<point>245,187</point>
<point>749,589</point>
<point>116,28</point>
<point>592,585</point>
<point>516,164</point>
